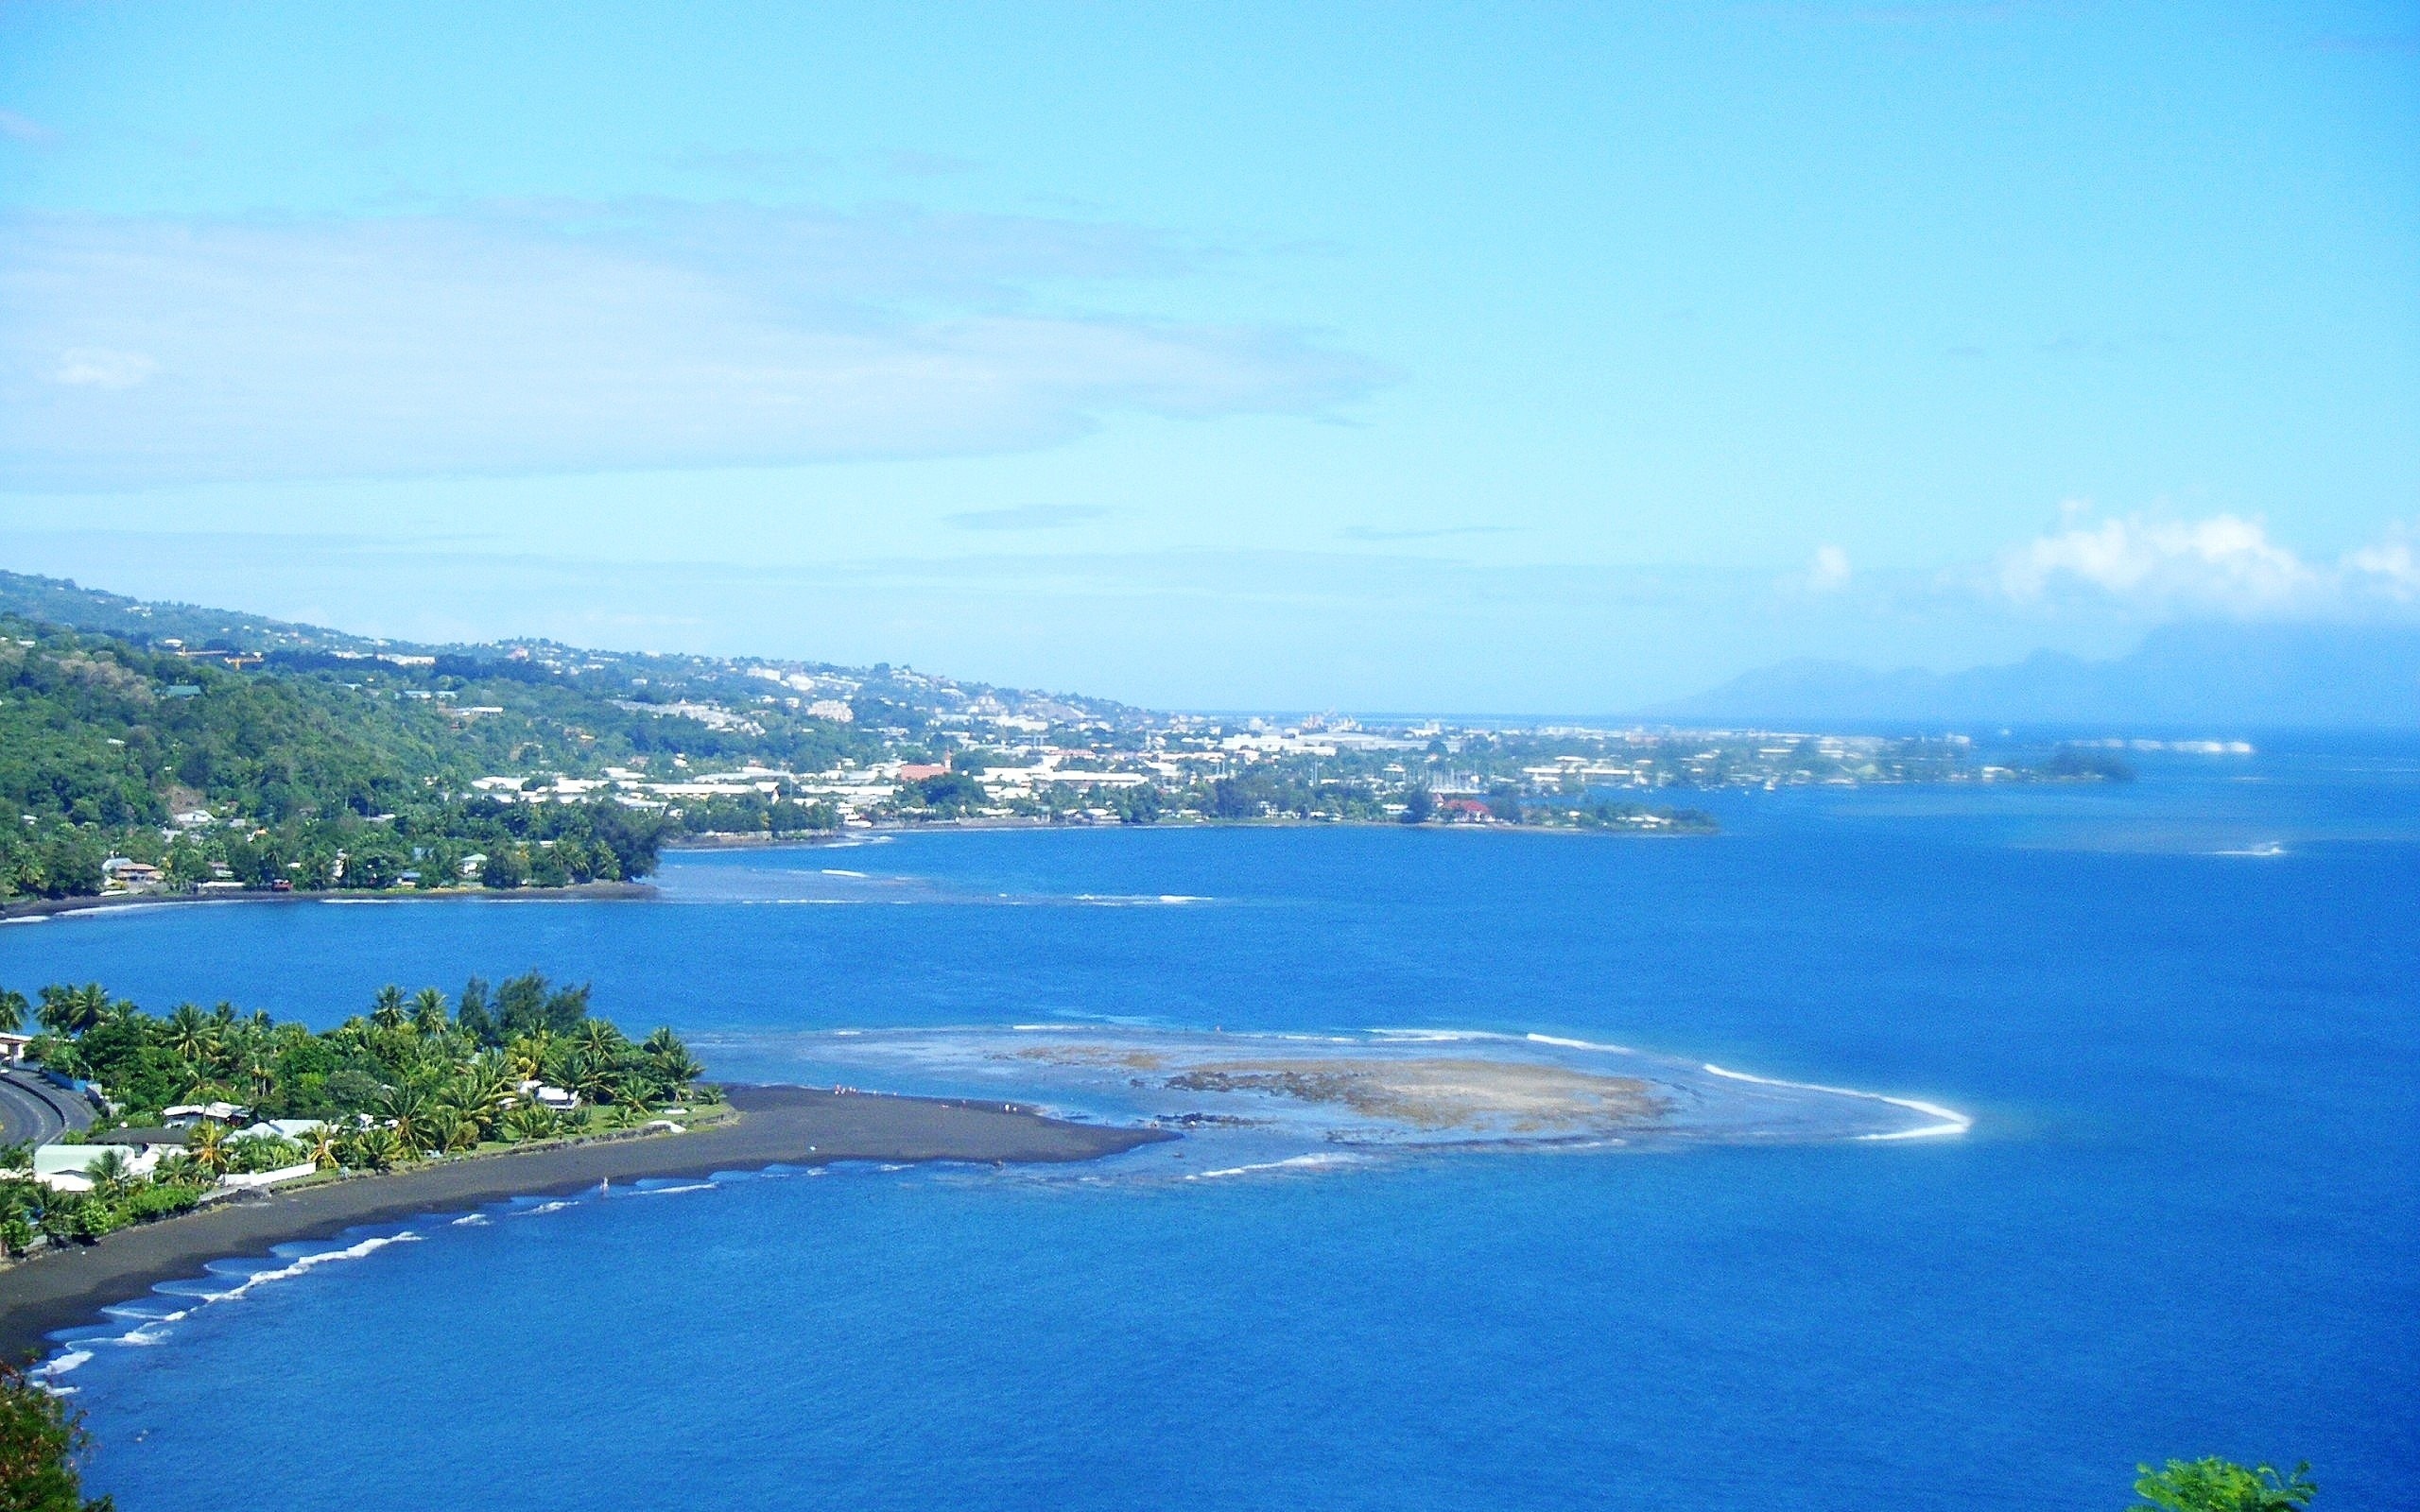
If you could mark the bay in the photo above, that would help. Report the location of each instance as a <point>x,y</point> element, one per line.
<point>2180,1012</point>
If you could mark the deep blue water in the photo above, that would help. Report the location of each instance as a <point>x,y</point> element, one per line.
<point>2187,1220</point>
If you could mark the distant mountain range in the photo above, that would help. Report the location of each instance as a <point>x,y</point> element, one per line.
<point>2235,675</point>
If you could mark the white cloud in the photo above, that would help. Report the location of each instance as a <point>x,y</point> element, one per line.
<point>2221,564</point>
<point>581,336</point>
<point>2389,567</point>
<point>99,368</point>
<point>1827,572</point>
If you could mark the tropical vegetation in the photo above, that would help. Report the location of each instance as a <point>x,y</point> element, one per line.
<point>411,1078</point>
<point>42,1442</point>
<point>2215,1485</point>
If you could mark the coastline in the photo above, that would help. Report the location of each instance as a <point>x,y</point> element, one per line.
<point>809,839</point>
<point>38,908</point>
<point>570,892</point>
<point>789,1126</point>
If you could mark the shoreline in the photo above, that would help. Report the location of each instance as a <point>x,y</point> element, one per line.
<point>38,908</point>
<point>805,839</point>
<point>785,1126</point>
<point>570,892</point>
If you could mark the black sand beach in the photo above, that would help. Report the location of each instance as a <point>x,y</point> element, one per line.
<point>571,892</point>
<point>777,1124</point>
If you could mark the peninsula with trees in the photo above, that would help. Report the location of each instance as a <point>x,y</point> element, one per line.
<point>165,748</point>
<point>196,1102</point>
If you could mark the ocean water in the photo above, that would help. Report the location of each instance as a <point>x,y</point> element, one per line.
<point>2181,1015</point>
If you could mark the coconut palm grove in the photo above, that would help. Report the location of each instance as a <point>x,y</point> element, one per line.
<point>412,1078</point>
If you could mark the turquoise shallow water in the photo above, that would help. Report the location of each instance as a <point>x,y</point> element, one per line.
<point>2181,1013</point>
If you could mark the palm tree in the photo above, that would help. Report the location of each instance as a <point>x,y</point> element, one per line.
<point>208,1148</point>
<point>202,1086</point>
<point>73,1010</point>
<point>111,1173</point>
<point>387,1008</point>
<point>529,1054</point>
<point>190,1037</point>
<point>531,1121</point>
<point>463,1131</point>
<point>428,1012</point>
<point>598,1039</point>
<point>593,1078</point>
<point>259,1070</point>
<point>491,1080</point>
<point>671,1062</point>
<point>13,1008</point>
<point>411,1112</point>
<point>377,1148</point>
<point>326,1146</point>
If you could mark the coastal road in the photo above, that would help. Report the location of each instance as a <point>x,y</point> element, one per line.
<point>34,1110</point>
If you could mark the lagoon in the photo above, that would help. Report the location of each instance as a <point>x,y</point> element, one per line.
<point>2179,1015</point>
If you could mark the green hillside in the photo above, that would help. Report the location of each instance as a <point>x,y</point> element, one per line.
<point>284,775</point>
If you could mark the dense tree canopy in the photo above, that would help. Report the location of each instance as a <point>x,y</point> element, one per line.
<point>412,1077</point>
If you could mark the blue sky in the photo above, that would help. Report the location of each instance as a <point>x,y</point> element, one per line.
<point>1502,358</point>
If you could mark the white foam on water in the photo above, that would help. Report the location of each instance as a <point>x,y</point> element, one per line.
<point>152,1330</point>
<point>1297,1163</point>
<point>471,1220</point>
<point>557,1205</point>
<point>663,1192</point>
<point>836,871</point>
<point>1951,1121</point>
<point>66,1363</point>
<point>1611,1050</point>
<point>305,1264</point>
<point>1132,1070</point>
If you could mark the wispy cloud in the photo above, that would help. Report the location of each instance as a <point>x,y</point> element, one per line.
<point>1377,533</point>
<point>1027,517</point>
<point>573,336</point>
<point>25,129</point>
<point>2222,563</point>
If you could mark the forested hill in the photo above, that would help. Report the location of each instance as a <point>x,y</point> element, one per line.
<point>234,749</point>
<point>882,696</point>
<point>218,774</point>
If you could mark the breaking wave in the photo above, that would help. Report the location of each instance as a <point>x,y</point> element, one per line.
<point>1256,1101</point>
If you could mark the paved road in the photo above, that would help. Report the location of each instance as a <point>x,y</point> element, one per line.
<point>31,1109</point>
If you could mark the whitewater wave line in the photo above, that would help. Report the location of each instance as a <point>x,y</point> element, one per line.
<point>148,1332</point>
<point>1296,1162</point>
<point>1951,1121</point>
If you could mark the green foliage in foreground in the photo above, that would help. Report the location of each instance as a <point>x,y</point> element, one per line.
<point>41,1437</point>
<point>2215,1485</point>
